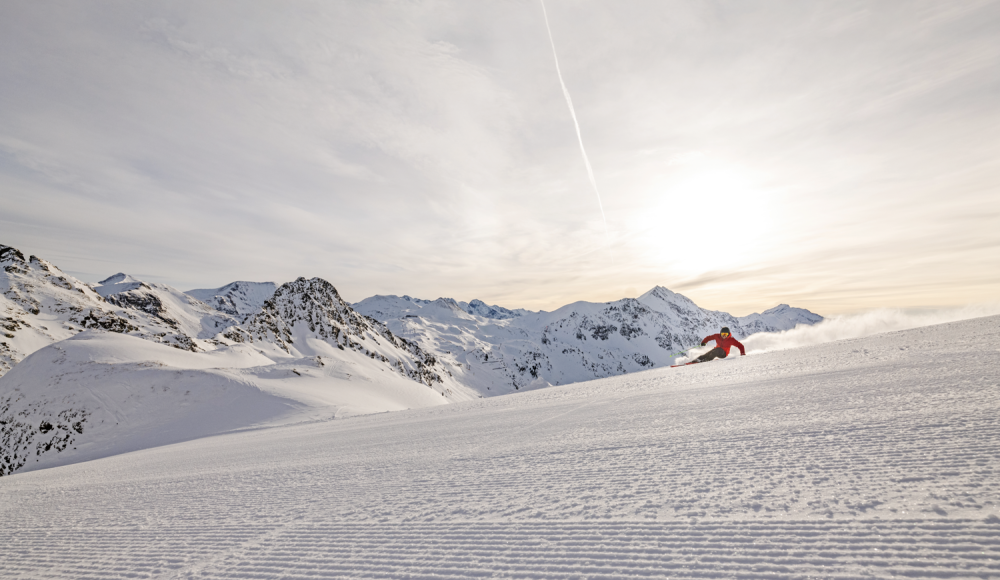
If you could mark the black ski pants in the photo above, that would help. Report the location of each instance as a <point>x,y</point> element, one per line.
<point>716,352</point>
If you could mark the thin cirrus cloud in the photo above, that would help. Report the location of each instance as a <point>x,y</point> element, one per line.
<point>836,157</point>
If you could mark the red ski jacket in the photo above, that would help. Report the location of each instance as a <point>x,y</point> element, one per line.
<point>725,343</point>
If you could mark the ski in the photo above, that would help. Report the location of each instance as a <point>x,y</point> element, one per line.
<point>694,362</point>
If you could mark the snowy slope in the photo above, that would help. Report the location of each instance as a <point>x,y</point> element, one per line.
<point>865,458</point>
<point>578,342</point>
<point>99,394</point>
<point>190,323</point>
<point>240,299</point>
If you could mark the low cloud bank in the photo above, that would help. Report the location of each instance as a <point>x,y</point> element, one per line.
<point>865,324</point>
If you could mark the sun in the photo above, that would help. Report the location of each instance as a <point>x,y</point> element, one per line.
<point>705,216</point>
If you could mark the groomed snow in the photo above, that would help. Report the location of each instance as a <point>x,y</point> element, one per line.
<point>873,457</point>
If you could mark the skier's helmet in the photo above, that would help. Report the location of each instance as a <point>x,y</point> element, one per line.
<point>725,331</point>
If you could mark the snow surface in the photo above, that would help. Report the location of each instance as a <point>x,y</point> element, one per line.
<point>872,457</point>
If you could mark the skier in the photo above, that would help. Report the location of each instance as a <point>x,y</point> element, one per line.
<point>723,342</point>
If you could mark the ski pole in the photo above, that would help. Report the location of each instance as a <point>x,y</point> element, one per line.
<point>685,350</point>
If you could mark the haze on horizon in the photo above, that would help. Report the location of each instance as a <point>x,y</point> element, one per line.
<point>836,157</point>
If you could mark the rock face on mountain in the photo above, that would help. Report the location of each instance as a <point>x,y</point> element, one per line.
<point>308,318</point>
<point>578,342</point>
<point>239,299</point>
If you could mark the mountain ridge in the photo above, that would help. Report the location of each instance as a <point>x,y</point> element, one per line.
<point>488,348</point>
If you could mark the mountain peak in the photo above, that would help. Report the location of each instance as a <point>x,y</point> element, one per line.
<point>117,283</point>
<point>10,254</point>
<point>448,303</point>
<point>663,294</point>
<point>784,316</point>
<point>480,308</point>
<point>119,278</point>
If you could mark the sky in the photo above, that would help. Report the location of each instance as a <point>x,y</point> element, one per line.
<point>832,156</point>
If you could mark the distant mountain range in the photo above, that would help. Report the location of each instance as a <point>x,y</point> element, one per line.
<point>125,364</point>
<point>495,350</point>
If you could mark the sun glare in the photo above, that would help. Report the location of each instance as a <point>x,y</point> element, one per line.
<point>703,217</point>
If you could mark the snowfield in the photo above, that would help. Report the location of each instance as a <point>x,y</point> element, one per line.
<point>873,457</point>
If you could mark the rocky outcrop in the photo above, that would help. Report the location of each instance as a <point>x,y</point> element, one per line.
<point>314,309</point>
<point>35,429</point>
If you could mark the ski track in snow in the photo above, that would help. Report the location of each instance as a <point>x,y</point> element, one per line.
<point>876,457</point>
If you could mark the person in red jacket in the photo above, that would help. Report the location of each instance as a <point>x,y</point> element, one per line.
<point>723,342</point>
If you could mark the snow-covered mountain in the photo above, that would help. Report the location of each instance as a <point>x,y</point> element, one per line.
<point>308,318</point>
<point>40,305</point>
<point>578,342</point>
<point>487,348</point>
<point>305,350</point>
<point>240,299</point>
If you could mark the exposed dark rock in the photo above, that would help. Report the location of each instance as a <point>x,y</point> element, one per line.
<point>105,321</point>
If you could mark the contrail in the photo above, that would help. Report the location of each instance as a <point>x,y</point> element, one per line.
<point>579,136</point>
